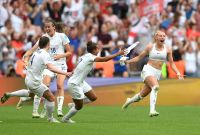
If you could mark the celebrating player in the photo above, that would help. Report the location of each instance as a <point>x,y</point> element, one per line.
<point>38,62</point>
<point>58,43</point>
<point>158,53</point>
<point>80,90</point>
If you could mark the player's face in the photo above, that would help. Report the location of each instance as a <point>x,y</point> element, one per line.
<point>49,28</point>
<point>160,37</point>
<point>96,51</point>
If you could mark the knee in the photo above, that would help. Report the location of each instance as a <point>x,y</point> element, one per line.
<point>93,99</point>
<point>31,95</point>
<point>79,107</point>
<point>156,87</point>
<point>51,99</point>
<point>60,86</point>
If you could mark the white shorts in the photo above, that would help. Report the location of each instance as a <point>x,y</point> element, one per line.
<point>38,88</point>
<point>61,66</point>
<point>77,91</point>
<point>148,70</point>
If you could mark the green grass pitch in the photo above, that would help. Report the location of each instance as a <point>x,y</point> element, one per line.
<point>105,120</point>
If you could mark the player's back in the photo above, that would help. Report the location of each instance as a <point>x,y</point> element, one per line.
<point>37,64</point>
<point>81,71</point>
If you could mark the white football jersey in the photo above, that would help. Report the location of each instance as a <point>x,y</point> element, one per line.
<point>57,45</point>
<point>81,71</point>
<point>37,64</point>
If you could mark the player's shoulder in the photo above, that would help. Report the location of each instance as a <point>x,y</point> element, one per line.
<point>168,48</point>
<point>89,55</point>
<point>42,52</point>
<point>86,56</point>
<point>60,34</point>
<point>150,46</point>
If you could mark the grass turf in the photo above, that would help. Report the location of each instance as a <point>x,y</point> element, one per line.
<point>105,120</point>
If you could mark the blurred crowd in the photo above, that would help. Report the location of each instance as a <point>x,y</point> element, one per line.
<point>112,24</point>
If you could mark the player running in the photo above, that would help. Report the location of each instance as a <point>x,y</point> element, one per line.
<point>158,54</point>
<point>37,64</point>
<point>79,89</point>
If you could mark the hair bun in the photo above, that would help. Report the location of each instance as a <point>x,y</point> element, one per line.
<point>89,43</point>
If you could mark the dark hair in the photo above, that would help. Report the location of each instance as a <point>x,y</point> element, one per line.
<point>60,27</point>
<point>43,42</point>
<point>91,46</point>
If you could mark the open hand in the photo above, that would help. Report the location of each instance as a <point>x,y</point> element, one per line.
<point>121,52</point>
<point>122,60</point>
<point>180,77</point>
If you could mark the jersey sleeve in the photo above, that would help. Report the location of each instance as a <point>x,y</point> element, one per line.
<point>91,58</point>
<point>65,39</point>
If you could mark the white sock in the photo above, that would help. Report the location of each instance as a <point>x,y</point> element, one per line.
<point>19,93</point>
<point>86,100</point>
<point>25,99</point>
<point>136,98</point>
<point>60,100</point>
<point>70,113</point>
<point>153,98</point>
<point>50,109</point>
<point>45,106</point>
<point>36,103</point>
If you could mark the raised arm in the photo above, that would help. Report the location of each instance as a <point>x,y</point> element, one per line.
<point>171,62</point>
<point>107,58</point>
<point>28,54</point>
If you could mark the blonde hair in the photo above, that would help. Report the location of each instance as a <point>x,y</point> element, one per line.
<point>156,33</point>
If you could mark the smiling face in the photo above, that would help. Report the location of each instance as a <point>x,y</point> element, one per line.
<point>160,37</point>
<point>49,28</point>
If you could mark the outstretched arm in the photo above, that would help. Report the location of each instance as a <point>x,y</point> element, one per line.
<point>140,56</point>
<point>107,58</point>
<point>56,70</point>
<point>28,54</point>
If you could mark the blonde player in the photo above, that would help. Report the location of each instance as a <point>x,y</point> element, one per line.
<point>59,42</point>
<point>38,62</point>
<point>158,53</point>
<point>80,90</point>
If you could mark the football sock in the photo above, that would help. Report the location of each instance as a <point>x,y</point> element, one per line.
<point>25,99</point>
<point>60,100</point>
<point>50,109</point>
<point>19,93</point>
<point>135,98</point>
<point>70,113</point>
<point>153,98</point>
<point>36,103</point>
